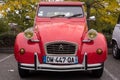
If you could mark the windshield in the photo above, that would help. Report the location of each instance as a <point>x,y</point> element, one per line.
<point>60,11</point>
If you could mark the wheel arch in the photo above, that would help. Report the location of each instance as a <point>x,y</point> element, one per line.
<point>115,41</point>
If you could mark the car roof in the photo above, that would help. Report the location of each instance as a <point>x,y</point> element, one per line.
<point>64,3</point>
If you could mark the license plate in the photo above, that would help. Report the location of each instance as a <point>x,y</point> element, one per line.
<point>60,59</point>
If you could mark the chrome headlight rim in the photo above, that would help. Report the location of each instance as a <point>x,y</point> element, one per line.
<point>92,34</point>
<point>29,33</point>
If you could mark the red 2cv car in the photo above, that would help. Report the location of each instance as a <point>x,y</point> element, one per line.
<point>60,41</point>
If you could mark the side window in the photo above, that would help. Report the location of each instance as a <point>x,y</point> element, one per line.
<point>118,21</point>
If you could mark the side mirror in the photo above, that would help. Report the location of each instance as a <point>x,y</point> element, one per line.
<point>92,18</point>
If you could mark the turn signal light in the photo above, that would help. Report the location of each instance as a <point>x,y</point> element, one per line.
<point>99,51</point>
<point>22,51</point>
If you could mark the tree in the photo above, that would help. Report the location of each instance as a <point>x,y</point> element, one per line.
<point>15,11</point>
<point>3,26</point>
<point>106,15</point>
<point>106,12</point>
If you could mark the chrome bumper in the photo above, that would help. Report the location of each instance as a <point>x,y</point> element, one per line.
<point>60,68</point>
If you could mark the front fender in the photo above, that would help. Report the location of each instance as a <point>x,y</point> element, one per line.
<point>30,48</point>
<point>90,49</point>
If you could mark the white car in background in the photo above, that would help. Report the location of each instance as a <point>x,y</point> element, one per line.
<point>116,40</point>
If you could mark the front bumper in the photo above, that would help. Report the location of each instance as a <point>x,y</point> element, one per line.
<point>60,68</point>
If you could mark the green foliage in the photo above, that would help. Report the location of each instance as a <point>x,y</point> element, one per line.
<point>15,11</point>
<point>3,26</point>
<point>106,12</point>
<point>7,39</point>
<point>106,15</point>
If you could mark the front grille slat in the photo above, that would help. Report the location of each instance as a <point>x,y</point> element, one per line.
<point>61,48</point>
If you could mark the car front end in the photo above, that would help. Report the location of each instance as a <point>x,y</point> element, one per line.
<point>60,43</point>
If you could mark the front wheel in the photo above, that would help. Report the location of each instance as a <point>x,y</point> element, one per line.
<point>115,51</point>
<point>23,72</point>
<point>98,72</point>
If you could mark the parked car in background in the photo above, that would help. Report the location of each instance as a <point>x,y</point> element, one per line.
<point>116,40</point>
<point>60,41</point>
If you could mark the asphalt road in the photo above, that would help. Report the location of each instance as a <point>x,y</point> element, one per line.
<point>8,71</point>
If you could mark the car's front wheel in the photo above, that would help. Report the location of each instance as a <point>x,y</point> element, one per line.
<point>23,72</point>
<point>115,51</point>
<point>98,72</point>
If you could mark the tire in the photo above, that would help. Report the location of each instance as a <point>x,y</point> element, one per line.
<point>22,72</point>
<point>98,72</point>
<point>115,51</point>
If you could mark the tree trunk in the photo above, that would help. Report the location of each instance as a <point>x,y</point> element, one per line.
<point>88,13</point>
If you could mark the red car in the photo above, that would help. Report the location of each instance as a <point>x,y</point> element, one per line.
<point>60,41</point>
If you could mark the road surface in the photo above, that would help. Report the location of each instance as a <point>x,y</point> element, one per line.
<point>8,71</point>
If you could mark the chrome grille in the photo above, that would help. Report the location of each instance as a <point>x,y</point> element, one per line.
<point>61,48</point>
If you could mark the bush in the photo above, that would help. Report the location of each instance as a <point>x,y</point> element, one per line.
<point>108,39</point>
<point>7,39</point>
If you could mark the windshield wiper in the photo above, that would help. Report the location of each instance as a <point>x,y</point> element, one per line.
<point>60,15</point>
<point>75,15</point>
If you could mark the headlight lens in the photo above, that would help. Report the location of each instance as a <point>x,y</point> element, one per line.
<point>28,33</point>
<point>92,34</point>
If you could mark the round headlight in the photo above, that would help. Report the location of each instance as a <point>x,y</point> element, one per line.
<point>92,34</point>
<point>28,33</point>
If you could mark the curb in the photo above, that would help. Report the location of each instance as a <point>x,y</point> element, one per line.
<point>6,50</point>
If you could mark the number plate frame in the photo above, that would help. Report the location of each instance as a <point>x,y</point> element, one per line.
<point>60,59</point>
